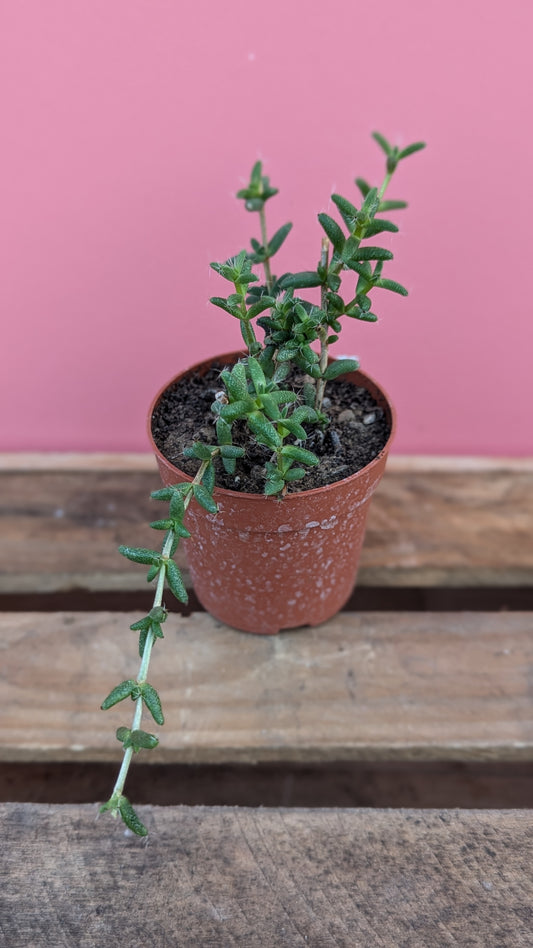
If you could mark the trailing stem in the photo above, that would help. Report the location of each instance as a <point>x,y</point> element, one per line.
<point>163,567</point>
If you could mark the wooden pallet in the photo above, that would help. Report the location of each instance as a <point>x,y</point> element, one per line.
<point>404,699</point>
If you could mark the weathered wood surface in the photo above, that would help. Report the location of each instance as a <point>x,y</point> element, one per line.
<point>409,686</point>
<point>217,878</point>
<point>59,530</point>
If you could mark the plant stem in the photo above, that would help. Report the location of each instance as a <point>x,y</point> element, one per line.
<point>385,185</point>
<point>264,241</point>
<point>323,331</point>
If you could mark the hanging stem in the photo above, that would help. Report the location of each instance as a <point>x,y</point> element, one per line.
<point>147,651</point>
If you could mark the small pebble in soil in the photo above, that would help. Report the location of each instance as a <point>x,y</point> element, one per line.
<point>347,415</point>
<point>370,418</point>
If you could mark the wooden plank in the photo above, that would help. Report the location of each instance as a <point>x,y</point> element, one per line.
<point>229,877</point>
<point>60,530</point>
<point>373,686</point>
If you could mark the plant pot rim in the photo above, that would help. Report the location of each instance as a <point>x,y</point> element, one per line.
<point>296,496</point>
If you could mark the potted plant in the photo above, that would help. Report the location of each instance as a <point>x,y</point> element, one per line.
<point>277,450</point>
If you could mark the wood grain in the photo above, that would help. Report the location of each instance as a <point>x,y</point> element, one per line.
<point>374,686</point>
<point>227,877</point>
<point>60,530</point>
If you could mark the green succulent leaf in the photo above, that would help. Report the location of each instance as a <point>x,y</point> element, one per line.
<point>162,524</point>
<point>273,485</point>
<point>257,375</point>
<point>279,237</point>
<point>153,703</point>
<point>175,582</point>
<point>410,150</point>
<point>118,693</point>
<point>301,281</point>
<point>204,498</point>
<point>142,740</point>
<point>140,555</point>
<point>231,451</point>
<point>393,286</point>
<point>264,430</point>
<point>130,817</point>
<point>333,231</point>
<point>392,205</point>
<point>347,210</point>
<point>164,493</point>
<point>295,428</point>
<point>378,226</point>
<point>295,474</point>
<point>230,308</point>
<point>382,142</point>
<point>299,454</point>
<point>223,432</point>
<point>340,367</point>
<point>372,253</point>
<point>238,409</point>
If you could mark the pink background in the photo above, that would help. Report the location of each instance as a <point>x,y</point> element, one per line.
<point>127,125</point>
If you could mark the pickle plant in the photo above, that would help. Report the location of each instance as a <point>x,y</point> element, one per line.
<point>257,393</point>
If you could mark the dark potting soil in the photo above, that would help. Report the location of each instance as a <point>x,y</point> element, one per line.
<point>357,432</point>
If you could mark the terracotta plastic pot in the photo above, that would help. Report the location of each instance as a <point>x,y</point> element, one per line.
<point>263,564</point>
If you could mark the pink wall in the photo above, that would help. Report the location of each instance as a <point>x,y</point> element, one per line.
<point>128,124</point>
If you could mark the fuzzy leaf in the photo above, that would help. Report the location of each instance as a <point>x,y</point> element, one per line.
<point>161,524</point>
<point>333,231</point>
<point>140,555</point>
<point>346,209</point>
<point>204,498</point>
<point>393,286</point>
<point>410,150</point>
<point>256,308</point>
<point>392,205</point>
<point>141,740</point>
<point>303,280</point>
<point>378,226</point>
<point>238,409</point>
<point>264,430</point>
<point>227,307</point>
<point>164,493</point>
<point>363,186</point>
<point>153,703</point>
<point>340,367</point>
<point>276,241</point>
<point>202,451</point>
<point>231,451</point>
<point>295,428</point>
<point>235,381</point>
<point>223,432</point>
<point>305,413</point>
<point>382,142</point>
<point>257,375</point>
<point>175,582</point>
<point>118,693</point>
<point>208,480</point>
<point>372,253</point>
<point>273,485</point>
<point>130,817</point>
<point>141,624</point>
<point>299,454</point>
